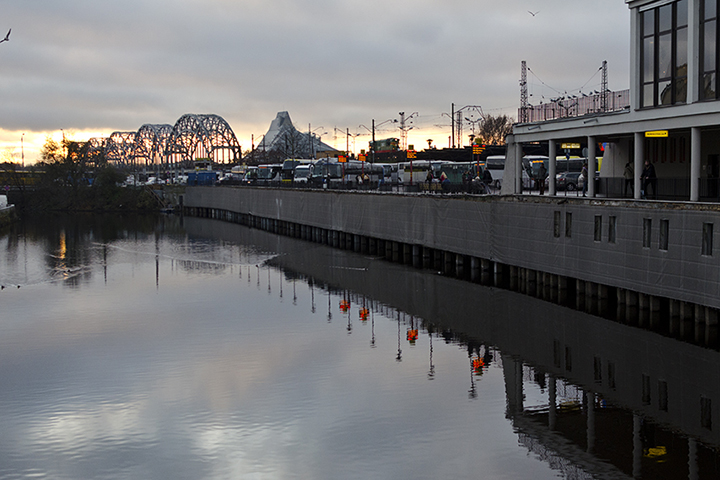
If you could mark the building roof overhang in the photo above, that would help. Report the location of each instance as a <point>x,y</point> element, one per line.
<point>621,124</point>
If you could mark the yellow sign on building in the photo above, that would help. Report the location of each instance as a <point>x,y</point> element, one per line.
<point>656,134</point>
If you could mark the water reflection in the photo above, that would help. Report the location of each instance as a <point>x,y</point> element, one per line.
<point>187,348</point>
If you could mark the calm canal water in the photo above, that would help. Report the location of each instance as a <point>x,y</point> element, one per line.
<point>183,348</point>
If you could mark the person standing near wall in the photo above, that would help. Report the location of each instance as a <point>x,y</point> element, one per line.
<point>649,179</point>
<point>629,175</point>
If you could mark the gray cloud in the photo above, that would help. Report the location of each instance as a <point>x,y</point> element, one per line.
<point>114,66</point>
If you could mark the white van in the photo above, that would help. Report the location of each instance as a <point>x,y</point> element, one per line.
<point>496,165</point>
<point>303,172</point>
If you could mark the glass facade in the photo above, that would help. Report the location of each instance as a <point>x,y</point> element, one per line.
<point>664,32</point>
<point>708,50</point>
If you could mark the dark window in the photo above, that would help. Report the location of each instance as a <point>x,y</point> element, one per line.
<point>612,229</point>
<point>646,390</point>
<point>664,35</point>
<point>662,396</point>
<point>611,375</point>
<point>568,224</point>
<point>664,232</point>
<point>647,232</point>
<point>568,359</point>
<point>706,413</point>
<point>598,228</point>
<point>556,227</point>
<point>707,239</point>
<point>557,354</point>
<point>598,370</point>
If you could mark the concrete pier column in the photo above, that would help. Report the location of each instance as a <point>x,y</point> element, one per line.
<point>487,269</point>
<point>637,447</point>
<point>388,250</point>
<point>417,256</point>
<point>449,265</point>
<point>693,467</point>
<point>364,244</point>
<point>552,167</point>
<point>552,402</point>
<point>459,265</point>
<point>687,324</point>
<point>373,246</point>
<point>514,278</point>
<point>654,311</point>
<point>356,243</point>
<point>474,269</point>
<point>711,326</point>
<point>592,167</point>
<point>426,257</point>
<point>603,299</point>
<point>438,260</point>
<point>674,315</point>
<point>699,317</point>
<point>643,310</point>
<point>407,253</point>
<point>639,146</point>
<point>562,290</point>
<point>590,400</point>
<point>695,161</point>
<point>396,251</point>
<point>580,294</point>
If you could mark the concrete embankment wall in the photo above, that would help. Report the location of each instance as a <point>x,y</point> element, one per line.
<point>642,251</point>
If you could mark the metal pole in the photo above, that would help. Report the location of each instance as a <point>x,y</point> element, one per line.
<point>373,141</point>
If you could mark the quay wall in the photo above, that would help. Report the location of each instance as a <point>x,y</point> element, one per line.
<point>649,248</point>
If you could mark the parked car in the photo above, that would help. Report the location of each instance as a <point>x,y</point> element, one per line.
<point>569,181</point>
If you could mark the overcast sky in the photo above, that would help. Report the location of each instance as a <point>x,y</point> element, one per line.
<point>91,67</point>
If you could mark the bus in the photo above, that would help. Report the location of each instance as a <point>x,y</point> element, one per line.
<point>496,165</point>
<point>331,171</point>
<point>417,170</point>
<point>288,168</point>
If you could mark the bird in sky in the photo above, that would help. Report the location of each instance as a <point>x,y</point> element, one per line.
<point>7,37</point>
<point>533,14</point>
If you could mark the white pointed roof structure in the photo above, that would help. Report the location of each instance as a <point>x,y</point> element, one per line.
<point>283,136</point>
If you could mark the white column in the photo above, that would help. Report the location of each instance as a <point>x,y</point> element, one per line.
<point>639,161</point>
<point>552,402</point>
<point>590,399</point>
<point>637,447</point>
<point>695,159</point>
<point>518,168</point>
<point>592,167</point>
<point>693,54</point>
<point>552,154</point>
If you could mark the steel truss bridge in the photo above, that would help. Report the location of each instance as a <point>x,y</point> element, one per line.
<point>165,146</point>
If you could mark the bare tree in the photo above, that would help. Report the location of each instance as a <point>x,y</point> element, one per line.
<point>493,130</point>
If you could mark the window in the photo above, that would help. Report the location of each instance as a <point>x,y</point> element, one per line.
<point>707,239</point>
<point>706,413</point>
<point>598,228</point>
<point>612,229</point>
<point>568,224</point>
<point>708,50</point>
<point>611,375</point>
<point>646,390</point>
<point>598,370</point>
<point>556,228</point>
<point>647,232</point>
<point>662,395</point>
<point>664,232</point>
<point>664,54</point>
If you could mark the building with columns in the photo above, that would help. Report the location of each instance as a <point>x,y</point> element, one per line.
<point>674,115</point>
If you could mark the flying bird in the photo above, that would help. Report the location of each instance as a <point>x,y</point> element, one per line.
<point>533,14</point>
<point>7,37</point>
